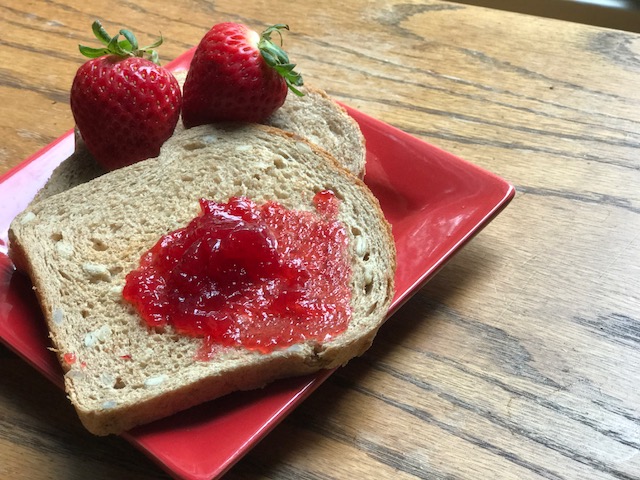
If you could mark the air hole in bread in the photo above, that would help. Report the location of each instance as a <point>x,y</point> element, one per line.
<point>365,257</point>
<point>278,162</point>
<point>336,130</point>
<point>335,191</point>
<point>84,312</point>
<point>115,226</point>
<point>65,275</point>
<point>186,178</point>
<point>191,146</point>
<point>281,194</point>
<point>372,307</point>
<point>99,245</point>
<point>56,236</point>
<point>356,231</point>
<point>115,270</point>
<point>119,384</point>
<point>368,288</point>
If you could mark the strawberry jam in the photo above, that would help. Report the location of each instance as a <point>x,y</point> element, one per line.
<point>241,274</point>
<point>69,358</point>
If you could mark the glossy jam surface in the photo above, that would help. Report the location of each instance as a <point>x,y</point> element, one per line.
<point>69,358</point>
<point>242,274</point>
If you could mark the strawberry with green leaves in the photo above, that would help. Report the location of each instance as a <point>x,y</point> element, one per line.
<point>124,103</point>
<point>237,75</point>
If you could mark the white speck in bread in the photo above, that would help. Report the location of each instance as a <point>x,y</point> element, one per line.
<point>57,316</point>
<point>29,217</point>
<point>128,210</point>
<point>96,272</point>
<point>155,381</point>
<point>100,335</point>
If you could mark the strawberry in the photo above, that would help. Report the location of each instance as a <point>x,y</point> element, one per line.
<point>237,75</point>
<point>124,105</point>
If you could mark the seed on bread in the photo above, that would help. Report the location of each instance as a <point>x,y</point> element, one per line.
<point>57,316</point>
<point>96,272</point>
<point>100,335</point>
<point>64,249</point>
<point>155,381</point>
<point>28,217</point>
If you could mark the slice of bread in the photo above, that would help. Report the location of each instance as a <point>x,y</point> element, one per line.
<point>78,246</point>
<point>315,116</point>
<point>319,119</point>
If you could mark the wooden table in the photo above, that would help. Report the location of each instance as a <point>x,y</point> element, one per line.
<point>521,359</point>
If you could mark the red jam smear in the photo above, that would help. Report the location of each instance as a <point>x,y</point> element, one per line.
<point>70,358</point>
<point>241,274</point>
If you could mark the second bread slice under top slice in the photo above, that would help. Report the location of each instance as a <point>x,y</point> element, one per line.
<point>314,116</point>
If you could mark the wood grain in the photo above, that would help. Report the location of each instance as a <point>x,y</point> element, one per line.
<point>521,359</point>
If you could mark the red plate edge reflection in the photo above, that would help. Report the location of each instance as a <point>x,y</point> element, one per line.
<point>434,201</point>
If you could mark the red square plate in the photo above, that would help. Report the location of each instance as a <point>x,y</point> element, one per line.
<point>435,202</point>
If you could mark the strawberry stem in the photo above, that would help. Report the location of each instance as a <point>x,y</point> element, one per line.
<point>277,58</point>
<point>127,47</point>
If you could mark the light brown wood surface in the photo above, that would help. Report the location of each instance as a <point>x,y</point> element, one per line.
<point>521,359</point>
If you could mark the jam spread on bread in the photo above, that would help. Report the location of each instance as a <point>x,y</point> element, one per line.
<point>242,274</point>
<point>69,358</point>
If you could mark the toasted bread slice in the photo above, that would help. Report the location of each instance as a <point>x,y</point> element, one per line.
<point>78,246</point>
<point>315,116</point>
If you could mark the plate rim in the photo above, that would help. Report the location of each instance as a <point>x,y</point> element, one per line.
<point>508,193</point>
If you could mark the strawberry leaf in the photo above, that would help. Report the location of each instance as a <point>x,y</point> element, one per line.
<point>121,47</point>
<point>155,44</point>
<point>115,48</point>
<point>100,33</point>
<point>131,39</point>
<point>276,58</point>
<point>90,52</point>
